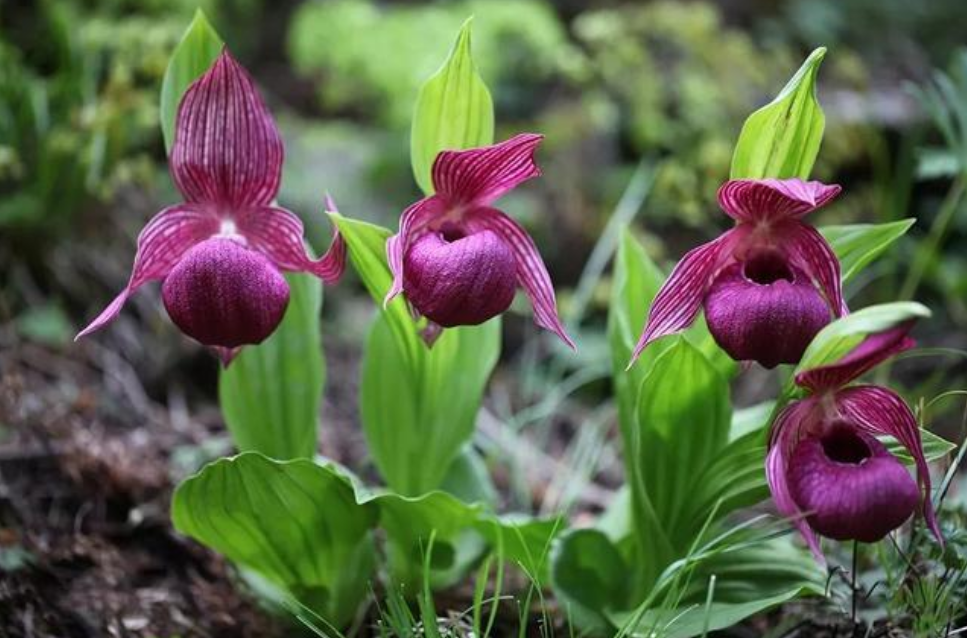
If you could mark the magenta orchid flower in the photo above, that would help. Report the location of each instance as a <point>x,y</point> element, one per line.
<point>768,285</point>
<point>457,259</point>
<point>221,251</point>
<point>825,467</point>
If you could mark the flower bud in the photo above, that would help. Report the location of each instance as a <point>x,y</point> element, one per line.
<point>765,310</point>
<point>223,294</point>
<point>849,485</point>
<point>460,280</point>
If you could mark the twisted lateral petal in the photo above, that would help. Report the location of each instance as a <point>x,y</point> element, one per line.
<point>872,351</point>
<point>680,298</point>
<point>227,149</point>
<point>880,411</point>
<point>478,176</point>
<point>787,431</point>
<point>413,224</point>
<point>749,200</point>
<point>531,272</point>
<point>809,250</point>
<point>277,233</point>
<point>168,236</point>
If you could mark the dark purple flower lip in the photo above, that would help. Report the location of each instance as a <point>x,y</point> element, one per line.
<point>460,280</point>
<point>850,486</point>
<point>764,310</point>
<point>770,237</point>
<point>227,163</point>
<point>467,183</point>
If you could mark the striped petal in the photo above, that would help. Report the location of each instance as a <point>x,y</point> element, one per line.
<point>227,149</point>
<point>532,274</point>
<point>787,431</point>
<point>809,250</point>
<point>748,200</point>
<point>680,298</point>
<point>871,352</point>
<point>478,176</point>
<point>881,411</point>
<point>161,244</point>
<point>278,234</point>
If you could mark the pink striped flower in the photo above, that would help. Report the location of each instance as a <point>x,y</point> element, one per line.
<point>767,285</point>
<point>458,259</point>
<point>825,467</point>
<point>220,253</point>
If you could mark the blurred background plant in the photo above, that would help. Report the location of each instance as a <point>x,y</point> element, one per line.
<point>641,103</point>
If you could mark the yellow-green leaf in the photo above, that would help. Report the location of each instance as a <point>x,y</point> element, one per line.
<point>782,139</point>
<point>453,111</point>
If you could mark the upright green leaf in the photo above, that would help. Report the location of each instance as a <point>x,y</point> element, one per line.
<point>856,245</point>
<point>453,111</point>
<point>270,395</point>
<point>636,281</point>
<point>782,138</point>
<point>844,334</point>
<point>683,421</point>
<point>196,52</point>
<point>295,523</point>
<point>414,427</point>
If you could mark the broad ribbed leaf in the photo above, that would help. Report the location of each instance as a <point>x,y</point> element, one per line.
<point>271,393</point>
<point>782,139</point>
<point>199,47</point>
<point>295,523</point>
<point>838,338</point>
<point>413,423</point>
<point>683,420</point>
<point>856,245</point>
<point>453,111</point>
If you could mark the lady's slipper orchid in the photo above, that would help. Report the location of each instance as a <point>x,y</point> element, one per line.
<point>459,260</point>
<point>825,467</point>
<point>768,285</point>
<point>220,253</point>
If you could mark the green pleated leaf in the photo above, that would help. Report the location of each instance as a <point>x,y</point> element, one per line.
<point>196,52</point>
<point>295,523</point>
<point>683,418</point>
<point>453,111</point>
<point>856,245</point>
<point>271,393</point>
<point>414,427</point>
<point>839,337</point>
<point>782,139</point>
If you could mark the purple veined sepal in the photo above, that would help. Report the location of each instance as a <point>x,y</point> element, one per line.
<point>872,351</point>
<point>773,200</point>
<point>881,411</point>
<point>227,149</point>
<point>680,298</point>
<point>479,176</point>
<point>413,224</point>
